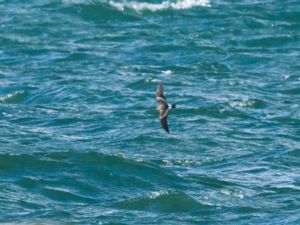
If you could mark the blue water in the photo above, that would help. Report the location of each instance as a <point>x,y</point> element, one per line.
<point>80,138</point>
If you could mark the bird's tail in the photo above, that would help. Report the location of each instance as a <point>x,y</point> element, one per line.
<point>173,106</point>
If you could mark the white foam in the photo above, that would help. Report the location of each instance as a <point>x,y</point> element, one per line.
<point>9,96</point>
<point>74,2</point>
<point>156,194</point>
<point>151,80</point>
<point>242,103</point>
<point>167,72</point>
<point>236,194</point>
<point>141,6</point>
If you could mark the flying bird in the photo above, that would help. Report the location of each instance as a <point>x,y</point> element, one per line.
<point>163,107</point>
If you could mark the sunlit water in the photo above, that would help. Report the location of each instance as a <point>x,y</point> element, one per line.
<point>80,138</point>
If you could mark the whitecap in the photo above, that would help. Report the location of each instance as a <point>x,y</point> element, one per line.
<point>167,72</point>
<point>140,6</point>
<point>242,103</point>
<point>74,2</point>
<point>151,80</point>
<point>10,96</point>
<point>157,194</point>
<point>236,194</point>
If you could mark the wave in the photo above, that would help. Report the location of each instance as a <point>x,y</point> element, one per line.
<point>115,170</point>
<point>12,98</point>
<point>141,6</point>
<point>247,103</point>
<point>163,201</point>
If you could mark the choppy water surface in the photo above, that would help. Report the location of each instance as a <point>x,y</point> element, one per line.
<point>80,140</point>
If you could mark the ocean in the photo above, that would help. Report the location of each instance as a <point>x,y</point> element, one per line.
<point>80,137</point>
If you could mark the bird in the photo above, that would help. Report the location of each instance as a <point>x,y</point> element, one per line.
<point>163,107</point>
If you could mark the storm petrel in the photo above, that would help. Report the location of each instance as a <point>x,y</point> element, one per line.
<point>163,107</point>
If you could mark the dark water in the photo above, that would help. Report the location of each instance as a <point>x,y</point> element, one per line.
<point>80,139</point>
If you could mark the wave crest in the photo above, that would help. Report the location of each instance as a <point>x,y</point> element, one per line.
<point>141,6</point>
<point>163,201</point>
<point>15,97</point>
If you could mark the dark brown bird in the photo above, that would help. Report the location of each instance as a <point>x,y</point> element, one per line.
<point>163,107</point>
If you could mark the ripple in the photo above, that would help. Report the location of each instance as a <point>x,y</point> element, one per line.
<point>65,195</point>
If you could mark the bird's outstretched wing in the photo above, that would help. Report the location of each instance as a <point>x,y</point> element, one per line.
<point>164,122</point>
<point>162,107</point>
<point>161,100</point>
<point>160,91</point>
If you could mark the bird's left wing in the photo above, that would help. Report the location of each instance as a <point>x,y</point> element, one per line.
<point>163,117</point>
<point>164,123</point>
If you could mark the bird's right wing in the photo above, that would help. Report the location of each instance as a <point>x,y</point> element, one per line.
<point>160,91</point>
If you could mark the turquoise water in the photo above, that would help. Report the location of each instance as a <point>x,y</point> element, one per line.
<point>80,139</point>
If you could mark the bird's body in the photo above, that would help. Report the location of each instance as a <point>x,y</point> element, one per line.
<point>163,107</point>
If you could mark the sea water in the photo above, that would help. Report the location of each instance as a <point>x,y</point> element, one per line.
<point>80,137</point>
